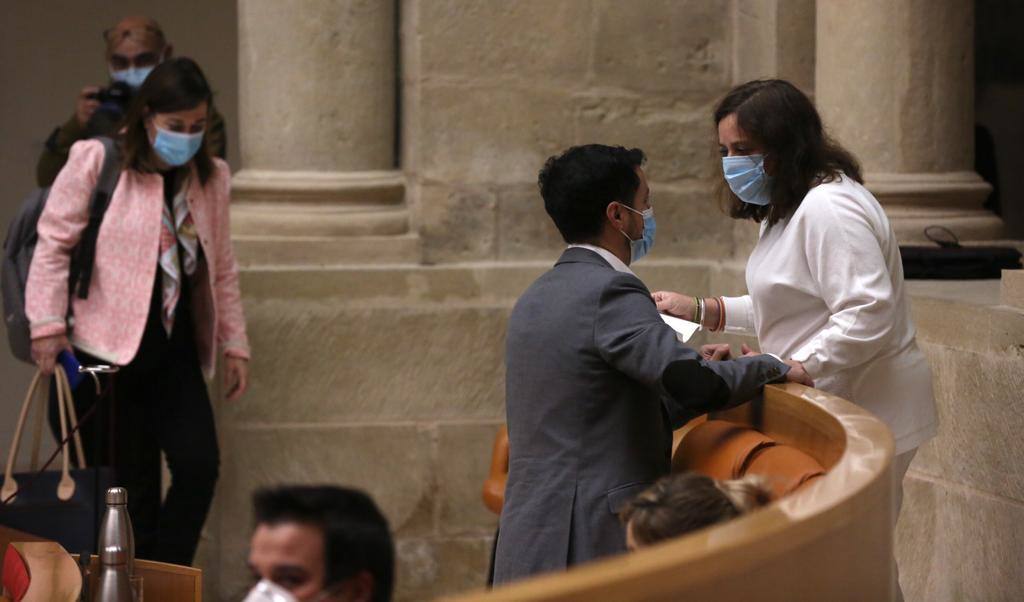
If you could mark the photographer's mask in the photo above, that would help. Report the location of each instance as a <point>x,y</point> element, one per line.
<point>133,76</point>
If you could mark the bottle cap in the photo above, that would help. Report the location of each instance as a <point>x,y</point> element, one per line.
<point>117,495</point>
<point>113,556</point>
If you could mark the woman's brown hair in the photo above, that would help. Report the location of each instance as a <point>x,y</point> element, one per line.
<point>177,84</point>
<point>685,502</point>
<point>785,123</point>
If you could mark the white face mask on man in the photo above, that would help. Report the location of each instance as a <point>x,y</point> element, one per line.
<point>268,591</point>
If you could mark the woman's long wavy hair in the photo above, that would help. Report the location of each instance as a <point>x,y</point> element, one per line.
<point>778,116</point>
<point>177,84</point>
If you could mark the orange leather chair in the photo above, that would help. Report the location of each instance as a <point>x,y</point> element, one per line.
<point>494,485</point>
<point>724,450</point>
<point>716,448</point>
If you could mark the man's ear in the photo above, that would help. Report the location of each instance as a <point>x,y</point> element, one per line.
<point>614,213</point>
<point>168,51</point>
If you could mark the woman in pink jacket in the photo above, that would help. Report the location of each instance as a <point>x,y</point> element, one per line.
<point>163,298</point>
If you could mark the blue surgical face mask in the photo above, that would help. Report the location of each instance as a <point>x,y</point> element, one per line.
<point>176,149</point>
<point>747,179</point>
<point>641,246</point>
<point>133,76</point>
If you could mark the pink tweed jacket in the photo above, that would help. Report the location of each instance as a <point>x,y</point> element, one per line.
<point>109,324</point>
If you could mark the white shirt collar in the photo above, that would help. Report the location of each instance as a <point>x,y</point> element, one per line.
<point>608,256</point>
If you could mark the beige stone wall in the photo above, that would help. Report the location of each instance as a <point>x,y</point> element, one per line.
<point>491,89</point>
<point>960,532</point>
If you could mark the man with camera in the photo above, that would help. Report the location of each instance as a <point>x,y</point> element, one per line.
<point>135,45</point>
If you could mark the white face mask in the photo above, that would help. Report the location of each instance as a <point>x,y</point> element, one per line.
<point>268,591</point>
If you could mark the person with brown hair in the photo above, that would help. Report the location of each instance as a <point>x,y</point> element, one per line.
<point>163,297</point>
<point>134,47</point>
<point>684,502</point>
<point>825,279</point>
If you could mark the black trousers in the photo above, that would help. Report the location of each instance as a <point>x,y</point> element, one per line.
<point>157,402</point>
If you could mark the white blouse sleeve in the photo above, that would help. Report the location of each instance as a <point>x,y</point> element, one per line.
<point>739,314</point>
<point>846,261</point>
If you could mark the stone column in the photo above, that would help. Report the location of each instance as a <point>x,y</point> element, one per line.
<point>894,82</point>
<point>317,129</point>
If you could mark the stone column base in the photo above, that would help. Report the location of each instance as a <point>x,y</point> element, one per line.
<point>954,200</point>
<point>321,218</point>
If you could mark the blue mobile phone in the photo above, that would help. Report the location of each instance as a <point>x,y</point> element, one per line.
<point>71,366</point>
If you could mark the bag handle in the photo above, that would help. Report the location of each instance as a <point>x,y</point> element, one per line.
<point>66,486</point>
<point>10,486</point>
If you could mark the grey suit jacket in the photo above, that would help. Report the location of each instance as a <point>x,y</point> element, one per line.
<point>591,410</point>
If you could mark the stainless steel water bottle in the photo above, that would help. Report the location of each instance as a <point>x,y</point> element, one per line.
<point>116,528</point>
<point>114,585</point>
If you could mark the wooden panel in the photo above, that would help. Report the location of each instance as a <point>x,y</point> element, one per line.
<point>162,582</point>
<point>832,540</point>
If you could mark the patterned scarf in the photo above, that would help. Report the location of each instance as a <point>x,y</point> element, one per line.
<point>176,228</point>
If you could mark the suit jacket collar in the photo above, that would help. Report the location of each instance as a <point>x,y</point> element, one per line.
<point>581,255</point>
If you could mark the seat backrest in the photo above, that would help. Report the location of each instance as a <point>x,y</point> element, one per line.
<point>494,484</point>
<point>161,582</point>
<point>725,450</point>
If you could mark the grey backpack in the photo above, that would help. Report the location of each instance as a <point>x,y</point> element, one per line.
<point>21,243</point>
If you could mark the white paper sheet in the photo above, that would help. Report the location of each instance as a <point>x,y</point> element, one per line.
<point>684,328</point>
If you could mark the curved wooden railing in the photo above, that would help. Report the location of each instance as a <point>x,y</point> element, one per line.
<point>831,540</point>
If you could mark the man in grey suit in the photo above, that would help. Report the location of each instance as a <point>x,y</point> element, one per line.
<point>596,381</point>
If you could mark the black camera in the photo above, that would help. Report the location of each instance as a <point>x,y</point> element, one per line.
<point>114,101</point>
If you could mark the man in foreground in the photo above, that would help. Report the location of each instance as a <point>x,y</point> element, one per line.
<point>324,544</point>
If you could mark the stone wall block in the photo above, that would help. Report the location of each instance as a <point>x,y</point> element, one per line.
<point>315,362</point>
<point>690,223</point>
<point>978,442</point>
<point>683,48</point>
<point>490,135</point>
<point>678,136</point>
<point>428,568</point>
<point>457,224</point>
<point>954,544</point>
<point>320,82</point>
<point>525,230</point>
<point>497,40</point>
<point>371,458</point>
<point>463,462</point>
<point>661,275</point>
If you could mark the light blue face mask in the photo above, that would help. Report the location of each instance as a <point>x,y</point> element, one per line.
<point>176,149</point>
<point>133,76</point>
<point>747,179</point>
<point>641,246</point>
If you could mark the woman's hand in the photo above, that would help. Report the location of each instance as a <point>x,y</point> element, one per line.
<point>45,350</point>
<point>797,374</point>
<point>676,304</point>
<point>236,377</point>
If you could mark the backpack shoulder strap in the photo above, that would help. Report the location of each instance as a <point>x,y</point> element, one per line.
<point>105,184</point>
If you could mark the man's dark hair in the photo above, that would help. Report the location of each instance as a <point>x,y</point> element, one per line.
<point>356,536</point>
<point>783,120</point>
<point>176,84</point>
<point>579,184</point>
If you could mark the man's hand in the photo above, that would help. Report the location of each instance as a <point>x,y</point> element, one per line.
<point>45,350</point>
<point>236,377</point>
<point>86,104</point>
<point>797,374</point>
<point>676,304</point>
<point>716,351</point>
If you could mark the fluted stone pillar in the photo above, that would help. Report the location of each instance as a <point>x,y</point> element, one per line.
<point>317,128</point>
<point>894,80</point>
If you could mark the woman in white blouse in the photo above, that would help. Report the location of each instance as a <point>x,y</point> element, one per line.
<point>825,279</point>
